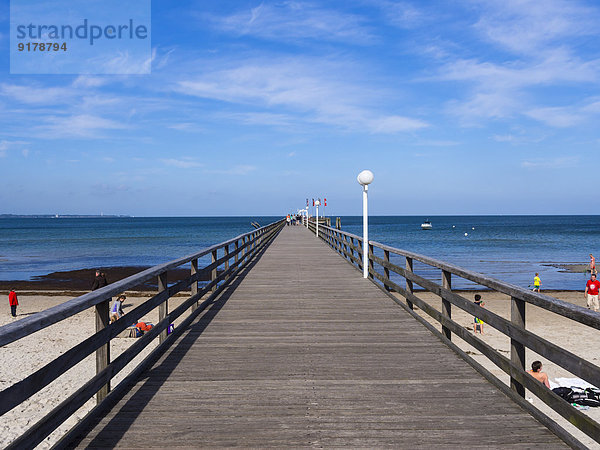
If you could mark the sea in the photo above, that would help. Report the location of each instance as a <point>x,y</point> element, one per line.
<point>509,248</point>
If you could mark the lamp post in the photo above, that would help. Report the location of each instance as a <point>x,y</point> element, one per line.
<point>317,203</point>
<point>364,179</point>
<point>306,211</point>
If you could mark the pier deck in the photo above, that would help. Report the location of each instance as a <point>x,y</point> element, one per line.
<point>302,351</point>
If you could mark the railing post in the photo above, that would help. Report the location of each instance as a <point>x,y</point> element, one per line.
<point>245,249</point>
<point>409,283</point>
<point>386,271</point>
<point>227,260</point>
<point>517,350</point>
<point>213,273</point>
<point>351,248</point>
<point>371,263</point>
<point>237,247</point>
<point>163,308</point>
<point>446,305</point>
<point>360,253</point>
<point>103,353</point>
<point>193,272</point>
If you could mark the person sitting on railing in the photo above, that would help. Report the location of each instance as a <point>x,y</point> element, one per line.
<point>536,372</point>
<point>478,323</point>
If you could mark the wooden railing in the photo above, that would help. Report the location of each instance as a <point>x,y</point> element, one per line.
<point>351,246</point>
<point>231,256</point>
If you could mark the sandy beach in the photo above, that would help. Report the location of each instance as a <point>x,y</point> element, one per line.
<point>578,339</point>
<point>21,358</point>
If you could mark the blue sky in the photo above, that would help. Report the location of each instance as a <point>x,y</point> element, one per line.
<point>463,107</point>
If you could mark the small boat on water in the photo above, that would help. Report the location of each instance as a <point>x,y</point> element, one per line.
<point>426,225</point>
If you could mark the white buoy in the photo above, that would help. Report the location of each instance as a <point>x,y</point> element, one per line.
<point>472,228</point>
<point>453,226</point>
<point>466,234</point>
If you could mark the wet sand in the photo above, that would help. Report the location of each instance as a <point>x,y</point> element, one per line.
<point>80,281</point>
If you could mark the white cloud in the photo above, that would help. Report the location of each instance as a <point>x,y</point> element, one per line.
<point>551,163</point>
<point>396,124</point>
<point>182,163</point>
<point>402,14</point>
<point>236,170</point>
<point>79,126</point>
<point>531,26</point>
<point>293,20</point>
<point>35,95</point>
<point>555,116</point>
<point>85,81</point>
<point>303,90</point>
<point>5,146</point>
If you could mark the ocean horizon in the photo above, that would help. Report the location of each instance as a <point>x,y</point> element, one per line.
<point>508,247</point>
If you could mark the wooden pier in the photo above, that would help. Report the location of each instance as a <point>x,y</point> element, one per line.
<point>300,351</point>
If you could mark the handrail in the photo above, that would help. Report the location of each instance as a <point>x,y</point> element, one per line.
<point>521,338</point>
<point>246,247</point>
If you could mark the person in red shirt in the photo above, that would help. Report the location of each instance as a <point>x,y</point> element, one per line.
<point>13,302</point>
<point>591,293</point>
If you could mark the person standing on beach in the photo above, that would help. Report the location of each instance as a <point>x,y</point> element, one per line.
<point>593,264</point>
<point>536,282</point>
<point>99,281</point>
<point>591,293</point>
<point>478,323</point>
<point>13,302</point>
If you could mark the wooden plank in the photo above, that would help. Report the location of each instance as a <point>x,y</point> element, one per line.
<point>301,351</point>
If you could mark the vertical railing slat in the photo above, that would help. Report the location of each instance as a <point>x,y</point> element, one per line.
<point>446,305</point>
<point>517,350</point>
<point>103,353</point>
<point>163,308</point>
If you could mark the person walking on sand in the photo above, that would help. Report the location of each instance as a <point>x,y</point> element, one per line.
<point>536,282</point>
<point>536,372</point>
<point>591,293</point>
<point>478,323</point>
<point>593,265</point>
<point>13,302</point>
<point>99,280</point>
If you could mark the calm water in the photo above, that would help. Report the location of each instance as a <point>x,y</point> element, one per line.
<point>511,248</point>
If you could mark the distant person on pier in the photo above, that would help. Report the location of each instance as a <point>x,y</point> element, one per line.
<point>478,323</point>
<point>536,372</point>
<point>13,302</point>
<point>99,280</point>
<point>537,282</point>
<point>593,264</point>
<point>288,220</point>
<point>591,293</point>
